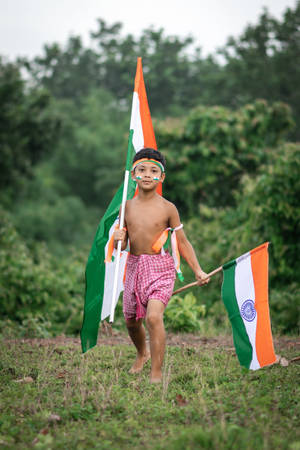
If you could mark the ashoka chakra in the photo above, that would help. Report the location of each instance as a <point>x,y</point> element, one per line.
<point>248,311</point>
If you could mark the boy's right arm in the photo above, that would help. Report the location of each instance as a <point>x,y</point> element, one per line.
<point>186,249</point>
<point>121,235</point>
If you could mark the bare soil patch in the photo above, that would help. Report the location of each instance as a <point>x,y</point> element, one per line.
<point>109,336</point>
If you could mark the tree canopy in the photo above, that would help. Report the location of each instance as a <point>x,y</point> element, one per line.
<point>263,62</point>
<point>27,129</point>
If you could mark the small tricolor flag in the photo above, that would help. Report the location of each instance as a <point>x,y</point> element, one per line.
<point>245,295</point>
<point>100,273</point>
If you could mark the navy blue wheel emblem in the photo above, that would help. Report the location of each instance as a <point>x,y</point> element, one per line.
<point>248,311</point>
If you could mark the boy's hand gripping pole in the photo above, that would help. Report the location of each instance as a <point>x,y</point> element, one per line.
<point>195,283</point>
<point>124,198</point>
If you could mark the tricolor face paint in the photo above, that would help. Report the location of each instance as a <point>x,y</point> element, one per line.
<point>138,177</point>
<point>148,174</point>
<point>148,171</point>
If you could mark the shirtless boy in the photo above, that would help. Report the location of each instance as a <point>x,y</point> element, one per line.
<point>150,273</point>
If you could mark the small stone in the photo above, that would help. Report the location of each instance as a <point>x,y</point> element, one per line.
<point>181,401</point>
<point>277,359</point>
<point>284,362</point>
<point>54,418</point>
<point>24,380</point>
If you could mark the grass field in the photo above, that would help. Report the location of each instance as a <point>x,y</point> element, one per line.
<point>67,400</point>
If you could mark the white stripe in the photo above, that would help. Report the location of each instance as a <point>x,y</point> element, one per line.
<point>136,124</point>
<point>244,290</point>
<point>109,278</point>
<point>174,254</point>
<point>115,294</point>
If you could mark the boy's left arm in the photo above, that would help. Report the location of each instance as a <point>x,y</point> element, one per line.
<point>186,249</point>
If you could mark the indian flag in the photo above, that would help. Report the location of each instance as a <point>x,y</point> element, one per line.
<point>100,267</point>
<point>245,295</point>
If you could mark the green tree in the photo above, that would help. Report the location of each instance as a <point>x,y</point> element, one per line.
<point>67,193</point>
<point>67,72</point>
<point>174,79</point>
<point>36,289</point>
<point>208,154</point>
<point>267,209</point>
<point>91,153</point>
<point>27,130</point>
<point>264,62</point>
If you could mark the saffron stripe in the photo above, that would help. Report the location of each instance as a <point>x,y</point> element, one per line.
<point>145,116</point>
<point>140,88</point>
<point>264,341</point>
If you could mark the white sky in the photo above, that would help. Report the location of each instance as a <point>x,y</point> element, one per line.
<point>26,25</point>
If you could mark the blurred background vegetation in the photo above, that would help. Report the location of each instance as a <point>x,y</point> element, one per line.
<point>229,125</point>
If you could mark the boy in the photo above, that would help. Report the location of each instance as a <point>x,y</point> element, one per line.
<point>150,272</point>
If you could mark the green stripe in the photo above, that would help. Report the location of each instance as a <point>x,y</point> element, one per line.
<point>129,151</point>
<point>241,340</point>
<point>95,268</point>
<point>229,264</point>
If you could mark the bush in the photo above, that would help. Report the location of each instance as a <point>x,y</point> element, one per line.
<point>183,314</point>
<point>267,210</point>
<point>33,326</point>
<point>37,289</point>
<point>209,152</point>
<point>285,309</point>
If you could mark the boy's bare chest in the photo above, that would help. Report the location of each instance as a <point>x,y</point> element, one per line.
<point>151,218</point>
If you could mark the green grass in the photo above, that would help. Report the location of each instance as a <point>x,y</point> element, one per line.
<point>206,400</point>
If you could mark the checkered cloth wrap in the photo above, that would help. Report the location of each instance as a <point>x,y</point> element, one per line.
<point>147,277</point>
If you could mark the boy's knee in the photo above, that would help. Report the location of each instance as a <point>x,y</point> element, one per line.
<point>153,319</point>
<point>133,324</point>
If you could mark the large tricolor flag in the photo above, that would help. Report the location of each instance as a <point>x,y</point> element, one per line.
<point>245,295</point>
<point>100,274</point>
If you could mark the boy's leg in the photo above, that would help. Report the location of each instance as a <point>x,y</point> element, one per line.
<point>137,334</point>
<point>156,329</point>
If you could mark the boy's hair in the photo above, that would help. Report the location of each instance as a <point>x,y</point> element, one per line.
<point>150,153</point>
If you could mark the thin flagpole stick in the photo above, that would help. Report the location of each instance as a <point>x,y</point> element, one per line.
<point>195,283</point>
<point>121,225</point>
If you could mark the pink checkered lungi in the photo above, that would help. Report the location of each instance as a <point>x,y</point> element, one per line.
<point>147,277</point>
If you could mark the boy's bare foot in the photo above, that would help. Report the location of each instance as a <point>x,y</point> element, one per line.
<point>156,377</point>
<point>140,362</point>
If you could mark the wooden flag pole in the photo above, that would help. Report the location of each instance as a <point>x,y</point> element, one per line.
<point>195,283</point>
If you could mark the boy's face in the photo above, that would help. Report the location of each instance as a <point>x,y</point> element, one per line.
<point>147,175</point>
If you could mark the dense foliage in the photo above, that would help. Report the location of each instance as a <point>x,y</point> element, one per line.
<point>230,169</point>
<point>267,209</point>
<point>264,62</point>
<point>38,291</point>
<point>184,314</point>
<point>211,151</point>
<point>27,129</point>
